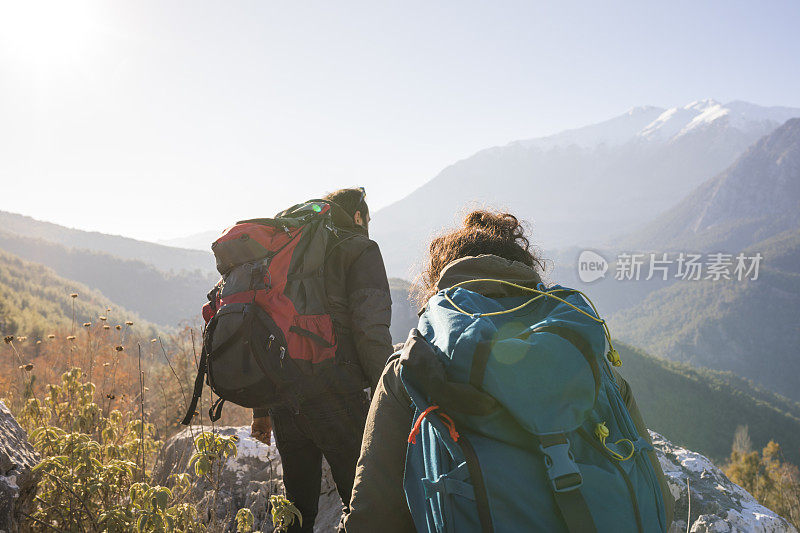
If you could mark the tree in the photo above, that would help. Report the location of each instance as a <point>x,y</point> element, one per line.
<point>770,479</point>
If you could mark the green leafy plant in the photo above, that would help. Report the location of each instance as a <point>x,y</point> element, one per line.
<point>93,471</point>
<point>283,512</point>
<point>244,521</point>
<point>212,451</point>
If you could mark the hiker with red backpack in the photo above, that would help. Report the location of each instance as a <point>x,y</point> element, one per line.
<point>504,412</point>
<point>297,329</point>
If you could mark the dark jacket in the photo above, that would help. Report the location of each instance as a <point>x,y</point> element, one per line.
<point>361,307</point>
<point>358,298</point>
<point>378,502</point>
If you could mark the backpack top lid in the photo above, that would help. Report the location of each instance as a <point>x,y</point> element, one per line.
<point>295,216</point>
<point>541,361</point>
<point>259,238</point>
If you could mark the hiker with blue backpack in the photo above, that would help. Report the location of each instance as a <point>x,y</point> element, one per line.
<point>503,411</point>
<point>296,329</point>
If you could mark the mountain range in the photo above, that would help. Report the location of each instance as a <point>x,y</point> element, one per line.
<point>163,285</point>
<point>164,258</point>
<point>162,297</point>
<point>753,199</point>
<point>585,186</point>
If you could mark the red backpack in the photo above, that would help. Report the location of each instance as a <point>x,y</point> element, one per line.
<point>268,332</point>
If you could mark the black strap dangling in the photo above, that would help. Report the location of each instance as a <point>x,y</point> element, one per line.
<point>215,411</point>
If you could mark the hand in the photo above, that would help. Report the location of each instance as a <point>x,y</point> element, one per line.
<point>261,429</point>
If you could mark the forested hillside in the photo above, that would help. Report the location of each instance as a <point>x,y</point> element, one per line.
<point>749,327</point>
<point>36,302</point>
<point>165,298</point>
<point>702,408</point>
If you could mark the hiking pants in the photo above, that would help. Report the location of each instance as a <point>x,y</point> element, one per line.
<point>329,426</point>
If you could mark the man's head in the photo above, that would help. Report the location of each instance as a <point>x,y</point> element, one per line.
<point>354,202</point>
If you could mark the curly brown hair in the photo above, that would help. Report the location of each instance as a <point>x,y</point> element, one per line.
<point>482,232</point>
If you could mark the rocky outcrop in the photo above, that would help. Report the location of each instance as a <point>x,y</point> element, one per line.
<point>248,480</point>
<point>707,498</point>
<point>17,482</point>
<point>717,504</point>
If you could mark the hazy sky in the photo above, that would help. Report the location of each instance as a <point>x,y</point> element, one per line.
<point>161,119</point>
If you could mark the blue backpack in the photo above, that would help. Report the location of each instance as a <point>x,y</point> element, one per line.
<point>519,423</point>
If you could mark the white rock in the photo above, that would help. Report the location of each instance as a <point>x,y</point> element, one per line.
<point>246,480</point>
<point>17,482</point>
<point>718,504</point>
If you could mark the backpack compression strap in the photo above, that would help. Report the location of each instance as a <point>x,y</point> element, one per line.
<point>202,372</point>
<point>215,411</point>
<point>198,387</point>
<point>565,480</point>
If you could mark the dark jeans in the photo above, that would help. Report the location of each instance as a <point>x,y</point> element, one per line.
<point>330,425</point>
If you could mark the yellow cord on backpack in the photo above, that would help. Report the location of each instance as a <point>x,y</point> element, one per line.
<point>612,355</point>
<point>602,433</point>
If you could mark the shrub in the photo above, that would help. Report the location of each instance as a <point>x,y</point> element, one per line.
<point>771,480</point>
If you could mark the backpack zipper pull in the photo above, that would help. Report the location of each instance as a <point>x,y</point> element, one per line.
<point>613,357</point>
<point>283,353</point>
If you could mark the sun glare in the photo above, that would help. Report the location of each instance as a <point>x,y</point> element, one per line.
<point>45,34</point>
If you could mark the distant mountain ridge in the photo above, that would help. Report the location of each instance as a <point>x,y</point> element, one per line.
<point>582,186</point>
<point>656,123</point>
<point>162,257</point>
<point>196,241</point>
<point>756,199</point>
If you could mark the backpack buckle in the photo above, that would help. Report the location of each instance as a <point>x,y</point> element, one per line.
<point>561,467</point>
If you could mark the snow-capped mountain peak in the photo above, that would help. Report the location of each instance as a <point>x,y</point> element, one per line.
<point>707,115</point>
<point>655,124</point>
<point>679,121</point>
<point>701,105</point>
